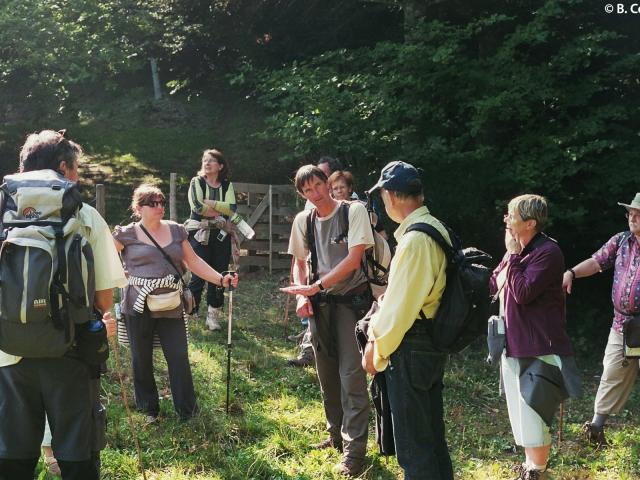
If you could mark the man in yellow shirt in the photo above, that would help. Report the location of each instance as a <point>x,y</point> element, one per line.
<point>399,340</point>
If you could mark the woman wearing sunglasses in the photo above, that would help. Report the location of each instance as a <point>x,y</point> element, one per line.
<point>154,251</point>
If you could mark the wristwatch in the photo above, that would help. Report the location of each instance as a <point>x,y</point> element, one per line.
<point>573,273</point>
<point>319,284</point>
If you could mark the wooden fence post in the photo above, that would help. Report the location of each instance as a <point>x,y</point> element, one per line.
<point>173,214</point>
<point>100,201</point>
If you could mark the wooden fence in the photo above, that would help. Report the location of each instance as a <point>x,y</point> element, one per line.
<point>269,209</point>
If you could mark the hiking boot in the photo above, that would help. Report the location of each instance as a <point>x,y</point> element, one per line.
<point>351,467</point>
<point>149,419</point>
<point>328,443</point>
<point>52,466</point>
<point>304,361</point>
<point>533,474</point>
<point>519,470</point>
<point>296,338</point>
<point>213,314</point>
<point>593,434</point>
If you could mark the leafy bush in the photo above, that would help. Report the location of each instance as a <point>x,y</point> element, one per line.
<point>489,104</point>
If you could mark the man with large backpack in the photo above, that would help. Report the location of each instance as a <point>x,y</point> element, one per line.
<point>333,291</point>
<point>44,362</point>
<point>400,332</point>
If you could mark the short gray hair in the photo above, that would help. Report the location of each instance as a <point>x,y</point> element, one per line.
<point>531,207</point>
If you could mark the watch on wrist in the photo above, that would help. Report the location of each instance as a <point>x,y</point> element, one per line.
<point>319,284</point>
<point>572,272</point>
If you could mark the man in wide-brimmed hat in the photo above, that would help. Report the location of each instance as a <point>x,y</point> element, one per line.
<point>621,252</point>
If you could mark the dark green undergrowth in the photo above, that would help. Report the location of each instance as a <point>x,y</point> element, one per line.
<point>276,413</point>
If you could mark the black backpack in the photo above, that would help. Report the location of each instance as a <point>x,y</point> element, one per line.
<point>464,308</point>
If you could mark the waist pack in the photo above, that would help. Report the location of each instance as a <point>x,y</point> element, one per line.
<point>163,302</point>
<point>47,279</point>
<point>631,337</point>
<point>464,307</point>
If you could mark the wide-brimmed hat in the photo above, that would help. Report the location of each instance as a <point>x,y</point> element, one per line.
<point>399,177</point>
<point>635,203</point>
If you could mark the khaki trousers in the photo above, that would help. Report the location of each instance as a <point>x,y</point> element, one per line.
<point>342,380</point>
<point>617,378</point>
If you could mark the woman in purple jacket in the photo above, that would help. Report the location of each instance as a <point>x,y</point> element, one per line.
<point>528,282</point>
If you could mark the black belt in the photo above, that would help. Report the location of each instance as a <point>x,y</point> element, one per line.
<point>348,297</point>
<point>420,327</point>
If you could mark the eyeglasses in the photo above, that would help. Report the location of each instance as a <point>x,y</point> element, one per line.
<point>511,218</point>
<point>154,203</point>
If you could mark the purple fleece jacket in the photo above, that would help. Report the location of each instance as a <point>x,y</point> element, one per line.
<point>534,300</point>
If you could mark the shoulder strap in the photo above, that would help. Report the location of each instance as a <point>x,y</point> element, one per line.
<point>344,216</point>
<point>224,186</point>
<point>164,254</point>
<point>623,238</point>
<point>436,235</point>
<point>203,186</point>
<point>311,241</point>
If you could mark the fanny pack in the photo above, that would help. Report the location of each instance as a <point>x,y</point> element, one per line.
<point>187,299</point>
<point>631,337</point>
<point>162,302</point>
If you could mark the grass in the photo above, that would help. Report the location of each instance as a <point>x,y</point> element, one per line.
<point>276,412</point>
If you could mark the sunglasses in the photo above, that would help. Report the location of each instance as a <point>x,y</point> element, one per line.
<point>154,203</point>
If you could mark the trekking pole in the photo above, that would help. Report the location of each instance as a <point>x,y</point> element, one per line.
<point>229,327</point>
<point>560,424</point>
<point>123,392</point>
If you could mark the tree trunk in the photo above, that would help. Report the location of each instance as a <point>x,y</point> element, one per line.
<point>157,92</point>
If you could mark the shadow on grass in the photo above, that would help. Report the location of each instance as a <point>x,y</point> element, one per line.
<point>276,410</point>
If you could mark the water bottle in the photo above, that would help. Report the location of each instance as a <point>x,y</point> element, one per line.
<point>243,226</point>
<point>96,324</point>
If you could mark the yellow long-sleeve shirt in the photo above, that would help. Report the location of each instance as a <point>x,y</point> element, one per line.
<point>417,279</point>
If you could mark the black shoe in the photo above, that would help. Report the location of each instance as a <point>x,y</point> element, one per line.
<point>593,434</point>
<point>328,443</point>
<point>300,362</point>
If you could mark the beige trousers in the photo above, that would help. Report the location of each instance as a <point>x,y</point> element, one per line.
<point>617,378</point>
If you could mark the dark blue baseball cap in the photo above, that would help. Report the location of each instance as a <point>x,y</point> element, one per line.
<point>399,177</point>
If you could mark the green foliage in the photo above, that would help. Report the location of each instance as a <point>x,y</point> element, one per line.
<point>489,105</point>
<point>50,48</point>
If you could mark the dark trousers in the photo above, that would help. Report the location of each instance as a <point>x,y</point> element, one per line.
<point>414,385</point>
<point>217,254</point>
<point>173,338</point>
<point>59,387</point>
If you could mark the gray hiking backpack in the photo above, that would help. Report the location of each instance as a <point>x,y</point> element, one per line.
<point>47,278</point>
